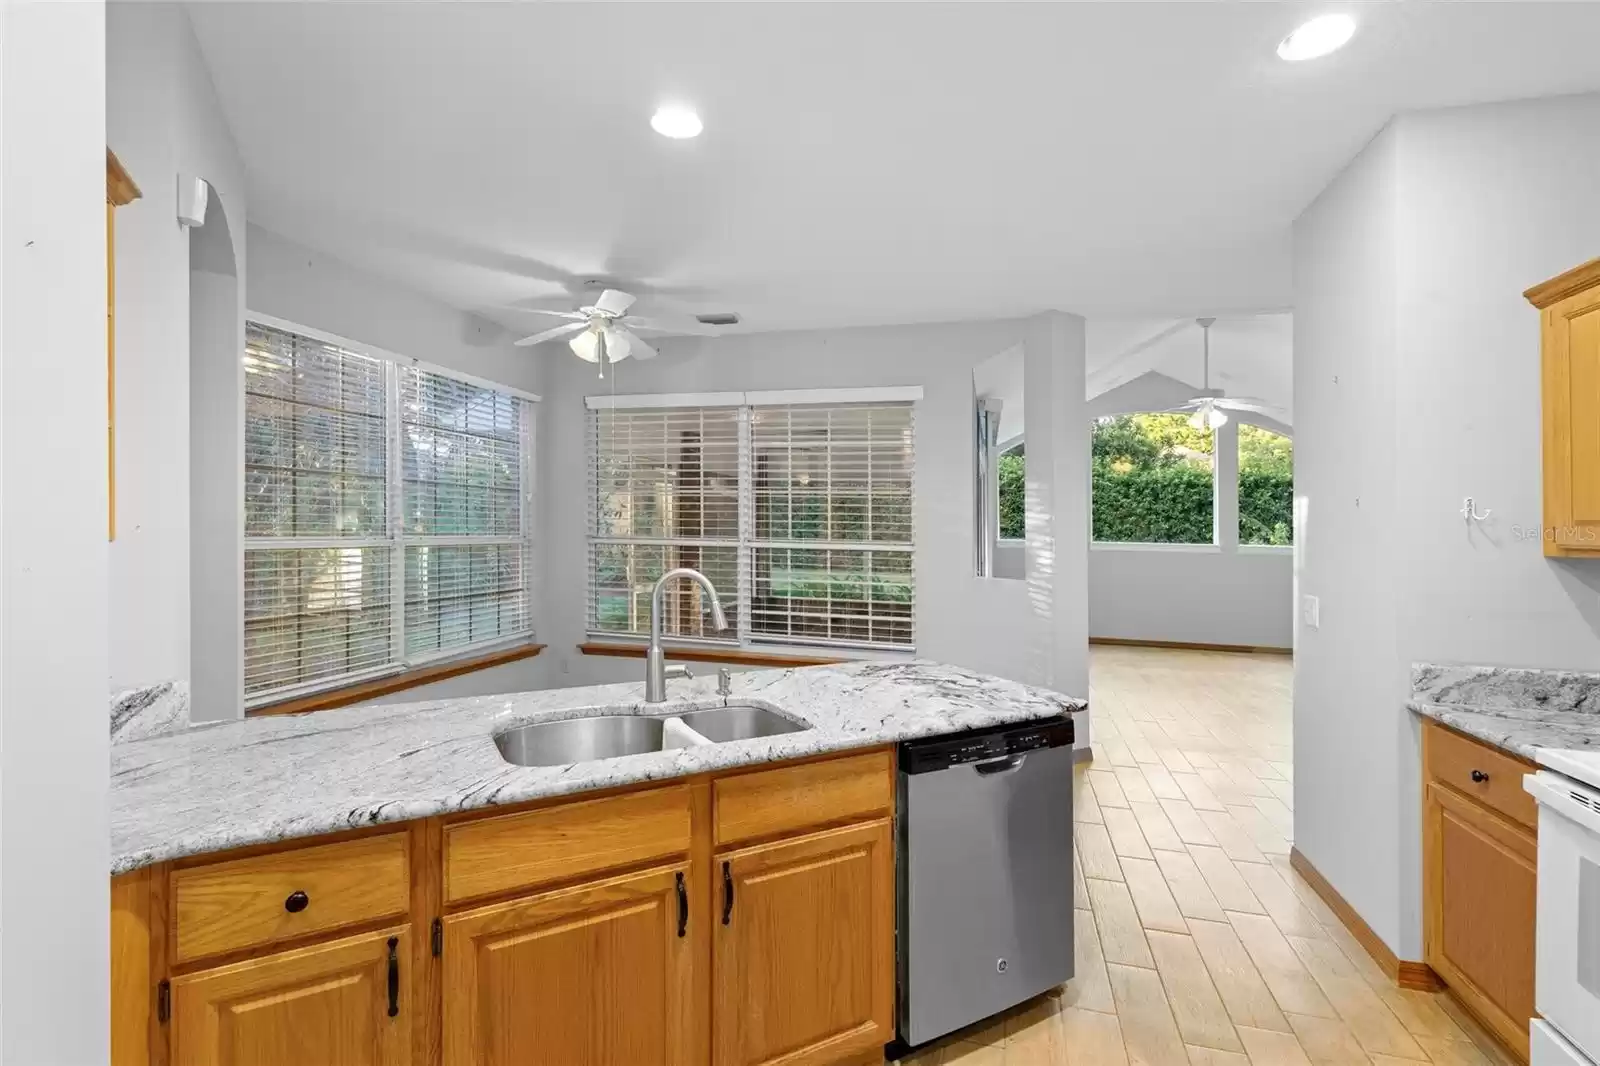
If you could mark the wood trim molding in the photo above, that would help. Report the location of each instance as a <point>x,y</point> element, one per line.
<point>1561,286</point>
<point>1248,649</point>
<point>734,656</point>
<point>120,189</point>
<point>1405,973</point>
<point>383,686</point>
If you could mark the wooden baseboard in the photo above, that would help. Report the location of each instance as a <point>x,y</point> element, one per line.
<point>1249,649</point>
<point>1405,973</point>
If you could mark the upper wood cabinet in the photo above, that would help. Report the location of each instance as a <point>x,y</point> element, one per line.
<point>803,966</point>
<point>1569,308</point>
<point>347,1002</point>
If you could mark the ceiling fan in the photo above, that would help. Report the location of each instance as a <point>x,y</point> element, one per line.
<point>1210,407</point>
<point>605,332</point>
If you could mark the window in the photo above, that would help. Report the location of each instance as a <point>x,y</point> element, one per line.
<point>1013,471</point>
<point>1151,480</point>
<point>387,514</point>
<point>1266,487</point>
<point>799,513</point>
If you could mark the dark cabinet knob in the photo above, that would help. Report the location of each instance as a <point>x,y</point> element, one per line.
<point>1479,776</point>
<point>297,902</point>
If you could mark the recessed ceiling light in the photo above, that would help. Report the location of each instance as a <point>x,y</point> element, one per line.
<point>1327,33</point>
<point>676,122</point>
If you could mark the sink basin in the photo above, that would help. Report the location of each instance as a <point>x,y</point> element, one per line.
<point>580,740</point>
<point>739,721</point>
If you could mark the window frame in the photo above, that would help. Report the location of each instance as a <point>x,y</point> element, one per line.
<point>745,638</point>
<point>395,537</point>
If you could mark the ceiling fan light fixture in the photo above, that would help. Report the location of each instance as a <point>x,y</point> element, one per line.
<point>678,123</point>
<point>586,345</point>
<point>1317,38</point>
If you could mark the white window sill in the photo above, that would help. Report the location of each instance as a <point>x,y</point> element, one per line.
<point>1266,549</point>
<point>1134,546</point>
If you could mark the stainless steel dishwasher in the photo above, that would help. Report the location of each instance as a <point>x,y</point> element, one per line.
<point>984,839</point>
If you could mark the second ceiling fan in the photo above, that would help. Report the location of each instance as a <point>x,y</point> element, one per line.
<point>605,332</point>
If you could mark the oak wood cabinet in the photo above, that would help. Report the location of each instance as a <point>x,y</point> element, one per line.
<point>1569,315</point>
<point>1480,857</point>
<point>346,1002</point>
<point>803,958</point>
<point>596,930</point>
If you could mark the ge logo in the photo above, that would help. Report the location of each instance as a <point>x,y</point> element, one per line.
<point>1000,966</point>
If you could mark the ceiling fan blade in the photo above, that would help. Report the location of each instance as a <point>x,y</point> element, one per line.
<point>635,346</point>
<point>551,334</point>
<point>613,302</point>
<point>577,316</point>
<point>689,328</point>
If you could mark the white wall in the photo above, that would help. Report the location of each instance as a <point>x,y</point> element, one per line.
<point>53,737</point>
<point>161,119</point>
<point>295,283</point>
<point>1417,384</point>
<point>1033,631</point>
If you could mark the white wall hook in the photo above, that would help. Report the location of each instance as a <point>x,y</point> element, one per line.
<point>1469,511</point>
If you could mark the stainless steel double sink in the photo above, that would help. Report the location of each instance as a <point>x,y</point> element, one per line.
<point>610,736</point>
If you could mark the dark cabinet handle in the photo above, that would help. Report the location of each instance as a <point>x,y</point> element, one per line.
<point>1479,776</point>
<point>297,902</point>
<point>394,976</point>
<point>727,894</point>
<point>683,907</point>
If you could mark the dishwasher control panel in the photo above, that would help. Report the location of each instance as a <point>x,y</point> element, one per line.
<point>981,745</point>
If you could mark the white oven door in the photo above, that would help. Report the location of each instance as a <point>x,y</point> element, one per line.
<point>1567,967</point>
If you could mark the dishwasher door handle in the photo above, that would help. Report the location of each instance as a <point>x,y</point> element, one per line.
<point>1000,766</point>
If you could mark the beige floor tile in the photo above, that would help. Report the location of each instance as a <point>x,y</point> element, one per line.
<point>1107,790</point>
<point>1151,896</point>
<point>1134,786</point>
<point>1282,902</point>
<point>1089,987</point>
<point>1127,839</point>
<point>1263,834</point>
<point>1190,826</point>
<point>1080,894</point>
<point>1157,827</point>
<point>1034,1037</point>
<point>1364,1013</point>
<point>1196,1006</point>
<point>1208,1056</point>
<point>1238,982</point>
<point>1197,793</point>
<point>1231,837</point>
<point>1419,1012</point>
<point>1291,984</point>
<point>1328,1042</point>
<point>1223,786</point>
<point>1099,857</point>
<point>1148,1029</point>
<point>1091,1038</point>
<point>1189,888</point>
<point>1175,762</point>
<point>1085,808</point>
<point>1223,878</point>
<point>1453,1052</point>
<point>1121,935</point>
<point>1161,783</point>
<point>1268,1048</point>
<point>966,1054</point>
<point>1199,758</point>
<point>1277,812</point>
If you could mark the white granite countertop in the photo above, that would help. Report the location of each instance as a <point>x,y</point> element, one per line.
<point>1525,712</point>
<point>273,778</point>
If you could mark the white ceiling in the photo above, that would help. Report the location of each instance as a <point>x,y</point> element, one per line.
<point>862,163</point>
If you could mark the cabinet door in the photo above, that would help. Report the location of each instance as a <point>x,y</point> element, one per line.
<point>345,1003</point>
<point>598,975</point>
<point>1572,423</point>
<point>1480,889</point>
<point>804,952</point>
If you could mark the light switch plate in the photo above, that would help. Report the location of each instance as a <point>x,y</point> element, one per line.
<point>1311,611</point>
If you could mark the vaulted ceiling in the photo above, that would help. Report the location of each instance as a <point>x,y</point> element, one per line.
<point>861,163</point>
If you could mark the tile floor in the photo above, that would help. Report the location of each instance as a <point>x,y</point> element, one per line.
<point>1197,944</point>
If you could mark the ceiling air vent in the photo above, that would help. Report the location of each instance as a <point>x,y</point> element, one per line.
<point>721,318</point>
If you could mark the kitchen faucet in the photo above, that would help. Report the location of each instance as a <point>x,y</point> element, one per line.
<point>656,670</point>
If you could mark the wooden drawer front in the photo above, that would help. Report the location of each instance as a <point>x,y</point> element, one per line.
<point>512,851</point>
<point>246,902</point>
<point>769,802</point>
<point>1454,760</point>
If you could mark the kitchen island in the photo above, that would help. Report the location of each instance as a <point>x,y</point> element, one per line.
<point>379,885</point>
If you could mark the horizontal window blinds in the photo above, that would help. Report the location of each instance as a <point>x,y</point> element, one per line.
<point>801,515</point>
<point>387,514</point>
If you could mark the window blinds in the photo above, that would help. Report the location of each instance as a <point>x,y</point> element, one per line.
<point>387,514</point>
<point>800,514</point>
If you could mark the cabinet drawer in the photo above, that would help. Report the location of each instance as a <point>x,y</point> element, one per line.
<point>768,802</point>
<point>489,855</point>
<point>243,903</point>
<point>1477,770</point>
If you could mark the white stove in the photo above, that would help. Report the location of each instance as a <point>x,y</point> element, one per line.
<point>1567,953</point>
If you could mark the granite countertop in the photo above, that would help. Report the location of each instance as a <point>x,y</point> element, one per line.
<point>216,787</point>
<point>1518,711</point>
